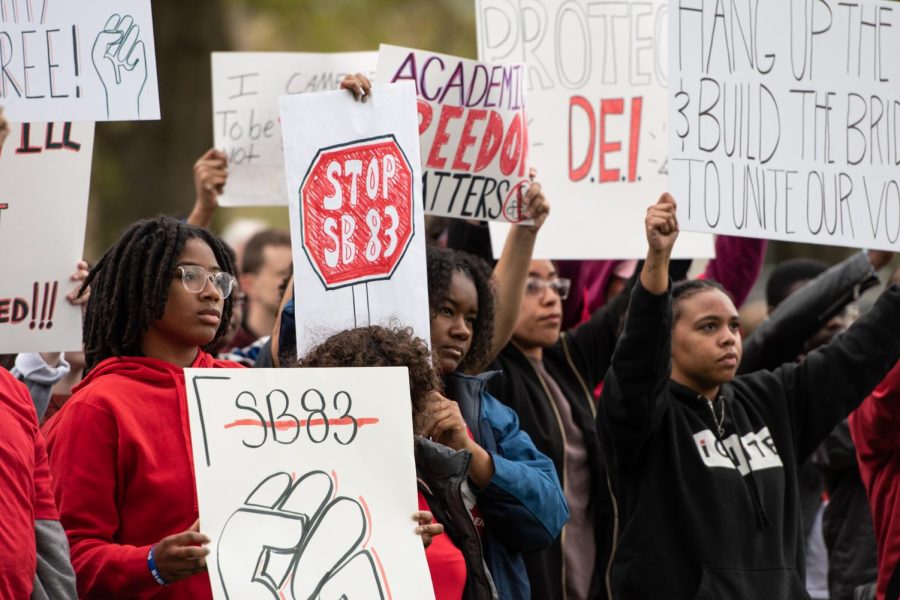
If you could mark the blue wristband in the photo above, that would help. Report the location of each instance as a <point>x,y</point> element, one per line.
<point>151,564</point>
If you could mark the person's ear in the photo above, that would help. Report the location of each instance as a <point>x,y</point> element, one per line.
<point>247,282</point>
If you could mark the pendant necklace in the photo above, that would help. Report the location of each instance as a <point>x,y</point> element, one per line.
<point>719,421</point>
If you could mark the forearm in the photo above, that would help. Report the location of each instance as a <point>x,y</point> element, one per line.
<point>481,469</point>
<point>510,276</point>
<point>655,273</point>
<point>201,216</point>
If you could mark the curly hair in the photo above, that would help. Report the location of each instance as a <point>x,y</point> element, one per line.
<point>442,264</point>
<point>130,289</point>
<point>377,346</point>
<point>691,287</point>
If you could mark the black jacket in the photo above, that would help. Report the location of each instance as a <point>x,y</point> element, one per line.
<point>709,518</point>
<point>577,363</point>
<point>442,472</point>
<point>780,338</point>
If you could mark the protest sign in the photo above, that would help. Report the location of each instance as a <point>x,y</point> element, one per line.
<point>596,85</point>
<point>784,120</point>
<point>79,61</point>
<point>45,174</point>
<point>306,483</point>
<point>246,87</point>
<point>473,132</point>
<point>357,227</point>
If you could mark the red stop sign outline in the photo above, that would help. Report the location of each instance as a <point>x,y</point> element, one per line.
<point>322,230</point>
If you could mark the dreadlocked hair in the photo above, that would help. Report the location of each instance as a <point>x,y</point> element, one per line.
<point>691,287</point>
<point>442,264</point>
<point>130,286</point>
<point>377,346</point>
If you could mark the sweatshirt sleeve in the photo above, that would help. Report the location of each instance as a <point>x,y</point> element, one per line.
<point>84,466</point>
<point>737,265</point>
<point>523,502</point>
<point>594,340</point>
<point>780,338</point>
<point>833,380</point>
<point>875,425</point>
<point>635,392</point>
<point>39,377</point>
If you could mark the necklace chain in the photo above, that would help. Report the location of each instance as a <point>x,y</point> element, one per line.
<point>719,421</point>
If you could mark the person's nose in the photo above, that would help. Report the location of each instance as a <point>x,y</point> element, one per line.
<point>210,291</point>
<point>460,329</point>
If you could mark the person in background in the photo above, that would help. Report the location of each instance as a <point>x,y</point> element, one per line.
<point>705,463</point>
<point>267,262</point>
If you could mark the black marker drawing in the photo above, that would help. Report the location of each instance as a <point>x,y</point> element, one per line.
<point>120,59</point>
<point>299,540</point>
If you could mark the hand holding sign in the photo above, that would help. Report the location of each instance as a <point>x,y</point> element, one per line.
<point>359,84</point>
<point>181,555</point>
<point>120,59</point>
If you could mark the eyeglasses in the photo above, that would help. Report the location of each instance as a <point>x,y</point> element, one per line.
<point>194,279</point>
<point>560,285</point>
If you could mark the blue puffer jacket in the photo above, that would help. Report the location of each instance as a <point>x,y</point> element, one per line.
<point>523,506</point>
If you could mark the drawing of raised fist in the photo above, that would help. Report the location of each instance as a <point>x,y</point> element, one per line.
<point>298,540</point>
<point>120,59</point>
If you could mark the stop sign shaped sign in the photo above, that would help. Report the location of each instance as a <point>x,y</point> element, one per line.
<point>356,207</point>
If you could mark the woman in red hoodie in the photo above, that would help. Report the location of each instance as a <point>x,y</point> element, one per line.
<point>120,449</point>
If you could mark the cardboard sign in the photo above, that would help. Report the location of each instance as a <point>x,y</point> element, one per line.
<point>306,482</point>
<point>473,132</point>
<point>45,174</point>
<point>80,61</point>
<point>357,225</point>
<point>596,83</point>
<point>788,130</point>
<point>246,87</point>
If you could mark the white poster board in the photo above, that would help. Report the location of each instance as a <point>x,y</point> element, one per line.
<point>45,175</point>
<point>306,483</point>
<point>246,87</point>
<point>354,181</point>
<point>596,84</point>
<point>473,131</point>
<point>786,120</point>
<point>80,61</point>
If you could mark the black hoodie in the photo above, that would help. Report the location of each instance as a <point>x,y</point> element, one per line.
<point>711,517</point>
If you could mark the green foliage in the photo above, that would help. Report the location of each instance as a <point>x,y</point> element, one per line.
<point>345,25</point>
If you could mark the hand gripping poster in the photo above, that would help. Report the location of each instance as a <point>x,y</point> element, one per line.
<point>306,483</point>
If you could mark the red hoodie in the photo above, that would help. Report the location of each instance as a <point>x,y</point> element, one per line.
<point>25,490</point>
<point>120,456</point>
<point>875,428</point>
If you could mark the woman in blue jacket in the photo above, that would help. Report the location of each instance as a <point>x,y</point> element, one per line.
<point>514,492</point>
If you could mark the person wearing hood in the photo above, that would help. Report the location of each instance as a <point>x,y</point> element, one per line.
<point>120,448</point>
<point>704,463</point>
